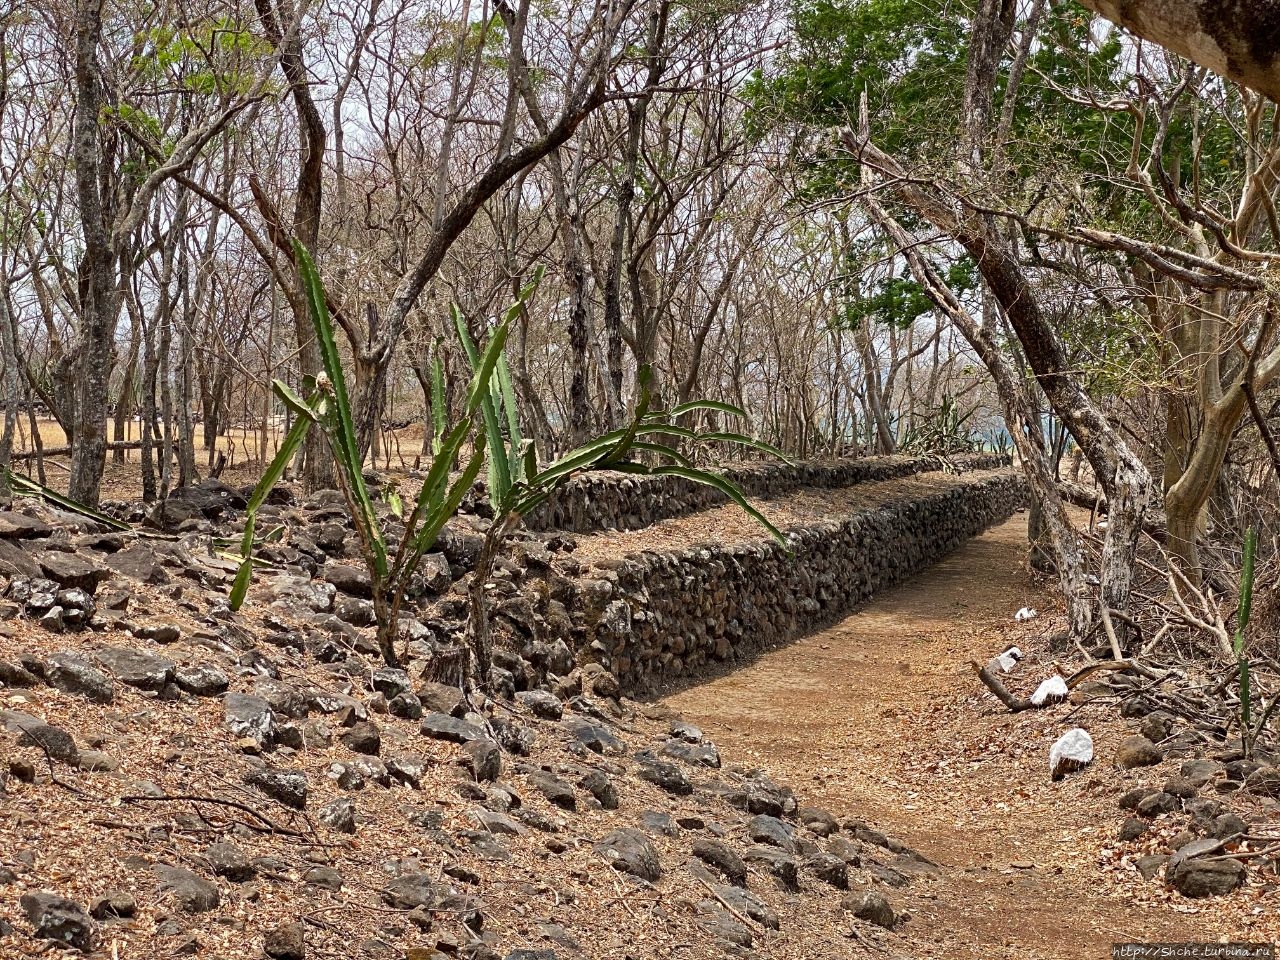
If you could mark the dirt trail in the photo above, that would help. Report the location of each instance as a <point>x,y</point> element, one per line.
<point>880,717</point>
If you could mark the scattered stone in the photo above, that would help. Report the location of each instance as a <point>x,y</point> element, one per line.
<point>665,776</point>
<point>191,892</point>
<point>1130,799</point>
<point>161,633</point>
<point>1157,804</point>
<point>1227,825</point>
<point>874,907</point>
<point>1071,752</point>
<point>326,878</point>
<point>59,744</point>
<point>718,855</point>
<point>286,942</point>
<point>781,865</point>
<point>412,890</point>
<point>773,832</point>
<point>594,736</point>
<point>228,860</point>
<point>602,788</point>
<point>818,822</point>
<point>288,787</point>
<point>136,669</point>
<point>440,726</point>
<point>557,791</point>
<point>1205,878</point>
<point>73,570</point>
<point>1137,751</point>
<point>1150,865</point>
<point>1132,829</point>
<point>249,716</point>
<point>484,759</point>
<point>114,904</point>
<point>71,674</point>
<point>441,698</point>
<point>630,851</point>
<point>541,704</point>
<point>828,868</point>
<point>201,680</point>
<point>339,815</point>
<point>57,918</point>
<point>364,737</point>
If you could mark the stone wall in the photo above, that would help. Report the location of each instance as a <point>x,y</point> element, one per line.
<point>622,501</point>
<point>653,617</point>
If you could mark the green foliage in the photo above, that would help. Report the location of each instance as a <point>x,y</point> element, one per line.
<point>328,407</point>
<point>900,301</point>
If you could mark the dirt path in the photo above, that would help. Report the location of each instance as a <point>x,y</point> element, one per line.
<point>881,718</point>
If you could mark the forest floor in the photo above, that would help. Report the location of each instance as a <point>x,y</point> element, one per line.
<point>881,716</point>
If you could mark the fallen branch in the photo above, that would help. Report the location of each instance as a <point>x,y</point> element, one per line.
<point>994,684</point>
<point>269,826</point>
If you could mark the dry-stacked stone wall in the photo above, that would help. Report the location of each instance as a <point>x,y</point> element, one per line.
<point>653,617</point>
<point>623,501</point>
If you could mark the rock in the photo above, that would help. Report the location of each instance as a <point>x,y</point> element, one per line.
<point>874,907</point>
<point>1157,725</point>
<point>326,878</point>
<point>364,737</point>
<point>18,526</point>
<point>136,669</point>
<point>406,706</point>
<point>15,675</point>
<point>412,890</point>
<point>1200,772</point>
<point>1205,878</point>
<point>1131,829</point>
<point>73,570</point>
<point>59,919</point>
<point>694,754</point>
<point>1130,799</point>
<point>285,699</point>
<point>595,737</point>
<point>227,860</point>
<point>772,832</point>
<point>828,868</point>
<point>1072,751</point>
<point>249,716</point>
<point>339,815</point>
<point>286,942</point>
<point>191,892</point>
<point>407,769</point>
<point>659,823</point>
<point>1158,803</point>
<point>1137,751</point>
<point>71,674</point>
<point>161,633</point>
<point>719,856</point>
<point>1180,786</point>
<point>59,744</point>
<point>818,822</point>
<point>1150,865</point>
<point>350,579</point>
<point>113,904</point>
<point>601,787</point>
<point>749,905</point>
<point>665,776</point>
<point>201,680</point>
<point>1265,782</point>
<point>52,620</point>
<point>780,864</point>
<point>630,851</point>
<point>138,562</point>
<point>1228,825</point>
<point>288,787</point>
<point>442,727</point>
<point>557,791</point>
<point>441,698</point>
<point>391,682</point>
<point>95,761</point>
<point>484,759</point>
<point>541,704</point>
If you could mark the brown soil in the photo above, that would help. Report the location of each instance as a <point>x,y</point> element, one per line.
<point>881,717</point>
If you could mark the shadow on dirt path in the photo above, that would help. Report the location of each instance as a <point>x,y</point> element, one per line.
<point>880,717</point>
